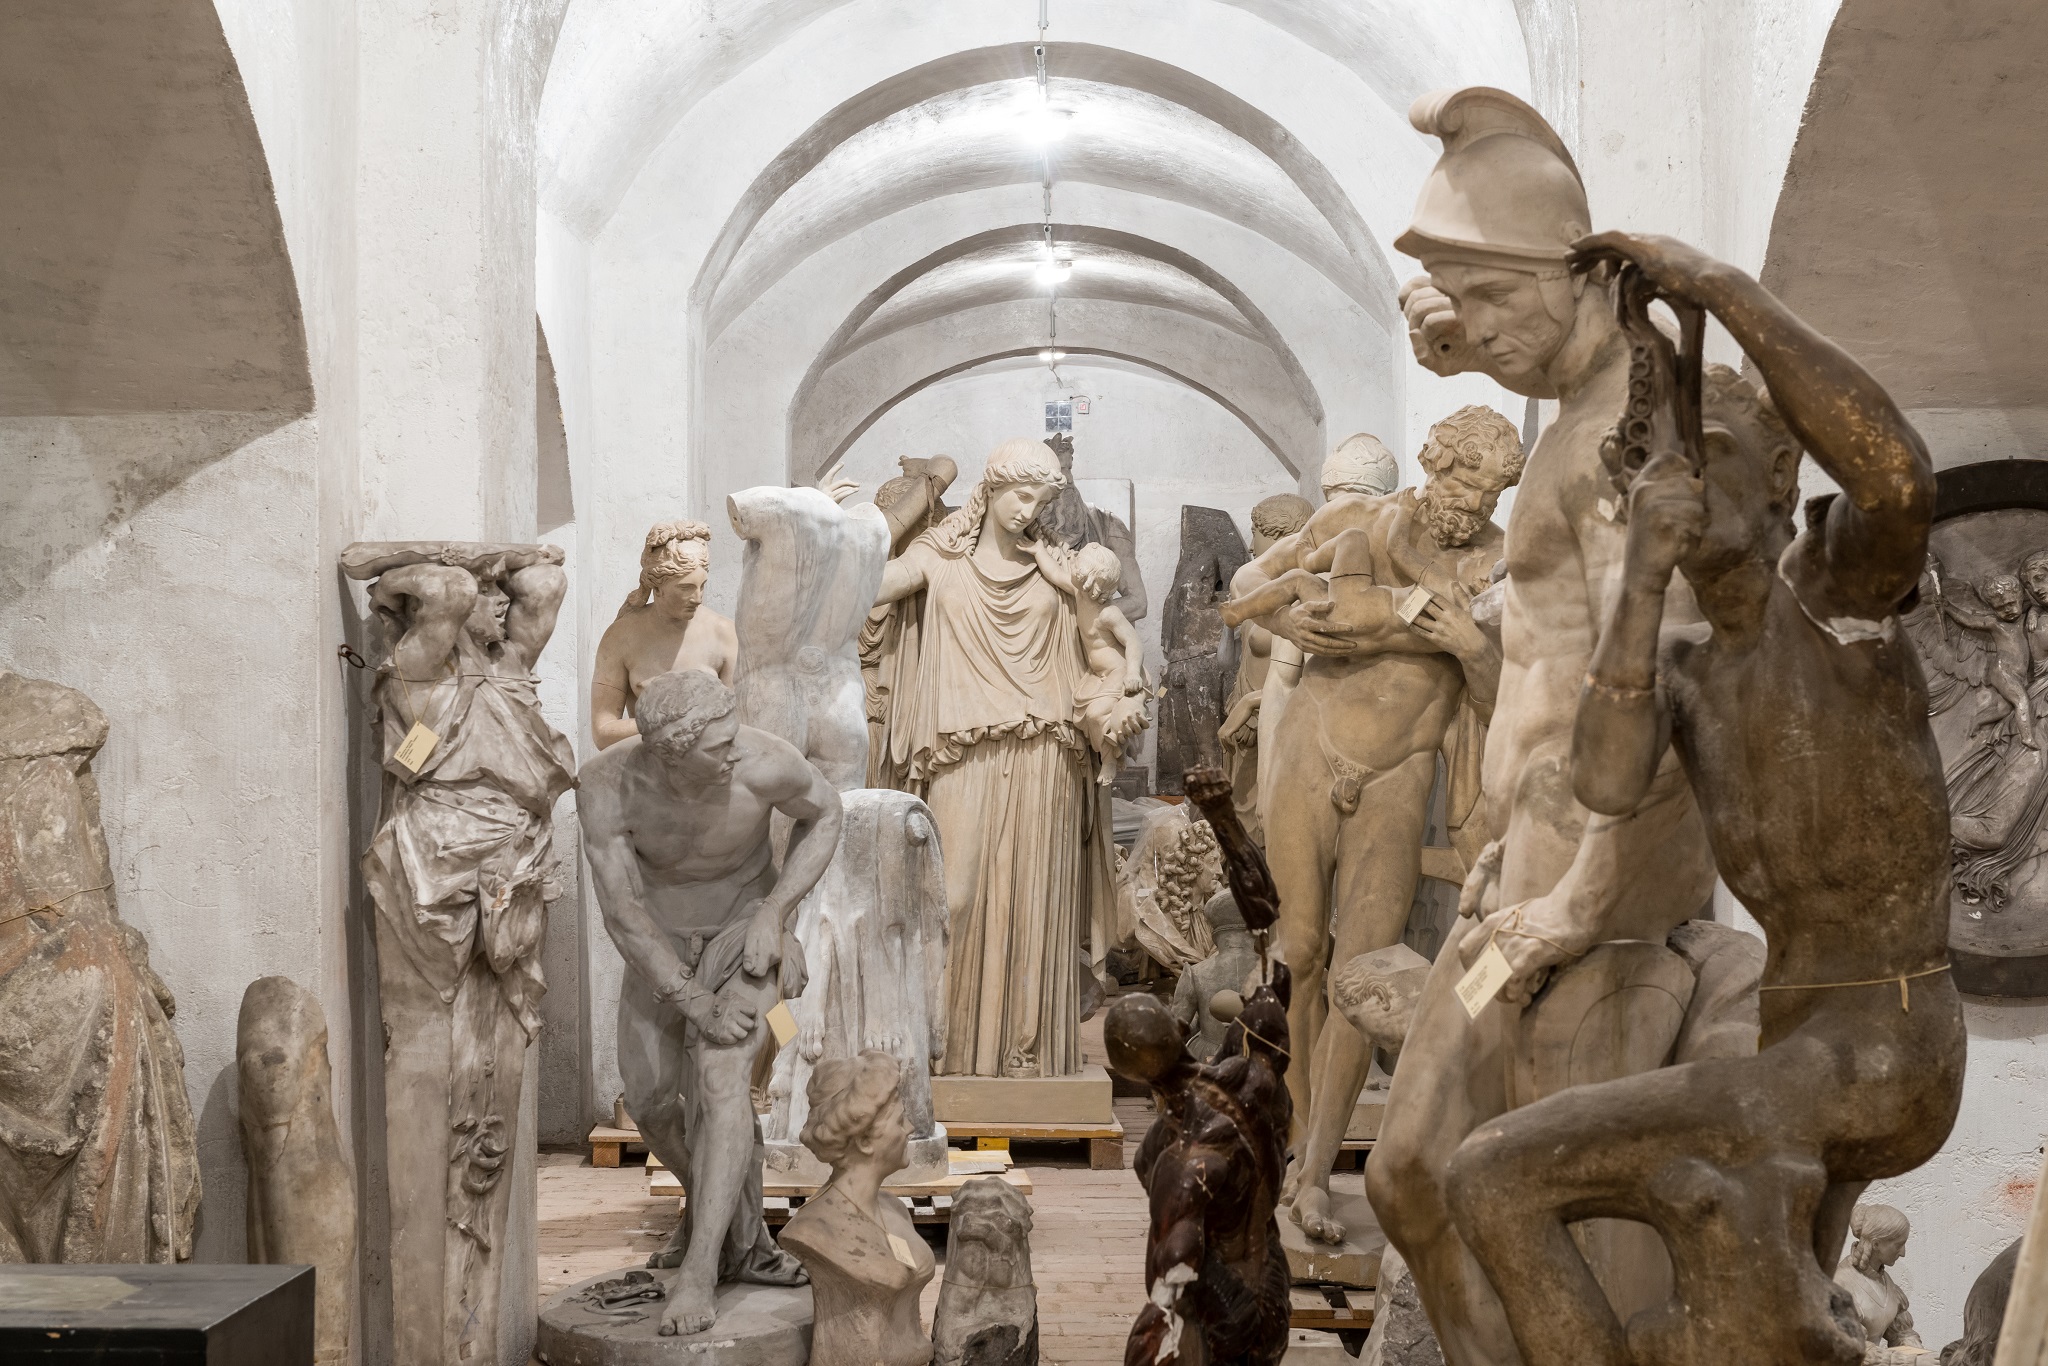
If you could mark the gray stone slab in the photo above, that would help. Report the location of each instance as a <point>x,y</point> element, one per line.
<point>758,1325</point>
<point>1355,1261</point>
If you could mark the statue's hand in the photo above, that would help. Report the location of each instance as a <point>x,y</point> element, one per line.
<point>795,972</point>
<point>1535,937</point>
<point>1480,896</point>
<point>1680,272</point>
<point>764,941</point>
<point>1449,626</point>
<point>719,1018</point>
<point>1307,625</point>
<point>1667,514</point>
<point>1434,330</point>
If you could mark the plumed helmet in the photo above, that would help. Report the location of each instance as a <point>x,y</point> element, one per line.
<point>1504,193</point>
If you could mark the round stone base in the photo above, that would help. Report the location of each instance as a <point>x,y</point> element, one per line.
<point>758,1325</point>
<point>793,1163</point>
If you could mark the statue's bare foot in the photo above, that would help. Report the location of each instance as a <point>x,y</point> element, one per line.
<point>671,1256</point>
<point>1290,1182</point>
<point>691,1309</point>
<point>1312,1212</point>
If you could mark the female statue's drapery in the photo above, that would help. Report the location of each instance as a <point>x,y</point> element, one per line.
<point>986,733</point>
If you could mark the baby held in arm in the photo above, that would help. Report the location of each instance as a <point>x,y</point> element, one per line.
<point>1111,700</point>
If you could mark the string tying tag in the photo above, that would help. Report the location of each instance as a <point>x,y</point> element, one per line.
<point>1905,995</point>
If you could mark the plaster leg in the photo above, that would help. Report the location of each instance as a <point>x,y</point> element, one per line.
<point>1301,848</point>
<point>1379,858</point>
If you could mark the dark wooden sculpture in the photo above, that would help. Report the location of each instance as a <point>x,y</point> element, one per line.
<point>1212,1162</point>
<point>1191,635</point>
<point>1801,720</point>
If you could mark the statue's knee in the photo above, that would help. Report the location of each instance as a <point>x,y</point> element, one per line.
<point>1403,1186</point>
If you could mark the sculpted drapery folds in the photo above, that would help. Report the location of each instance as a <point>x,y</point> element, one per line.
<point>461,869</point>
<point>98,1160</point>
<point>984,726</point>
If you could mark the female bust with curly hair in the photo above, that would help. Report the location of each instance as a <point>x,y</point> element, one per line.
<point>867,1263</point>
<point>662,626</point>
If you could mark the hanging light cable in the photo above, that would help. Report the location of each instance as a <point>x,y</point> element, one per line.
<point>1052,271</point>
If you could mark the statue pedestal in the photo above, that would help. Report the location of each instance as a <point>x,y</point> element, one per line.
<point>758,1325</point>
<point>1355,1261</point>
<point>793,1164</point>
<point>1083,1098</point>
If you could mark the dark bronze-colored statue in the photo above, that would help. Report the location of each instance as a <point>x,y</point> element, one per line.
<point>1800,715</point>
<point>1212,1162</point>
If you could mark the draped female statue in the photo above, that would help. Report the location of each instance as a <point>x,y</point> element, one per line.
<point>988,733</point>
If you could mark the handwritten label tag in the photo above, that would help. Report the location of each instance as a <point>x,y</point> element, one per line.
<point>783,1023</point>
<point>1412,605</point>
<point>419,742</point>
<point>1484,981</point>
<point>902,1251</point>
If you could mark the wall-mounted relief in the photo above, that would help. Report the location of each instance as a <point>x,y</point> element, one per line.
<point>1981,628</point>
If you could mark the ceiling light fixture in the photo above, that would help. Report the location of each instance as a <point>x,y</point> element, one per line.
<point>1052,272</point>
<point>1050,356</point>
<point>1044,123</point>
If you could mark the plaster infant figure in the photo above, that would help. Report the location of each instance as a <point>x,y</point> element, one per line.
<point>676,825</point>
<point>1111,700</point>
<point>2011,660</point>
<point>662,626</point>
<point>1800,716</point>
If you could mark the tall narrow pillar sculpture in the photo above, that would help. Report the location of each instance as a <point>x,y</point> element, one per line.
<point>460,870</point>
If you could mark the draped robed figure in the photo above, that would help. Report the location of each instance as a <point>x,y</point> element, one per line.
<point>983,726</point>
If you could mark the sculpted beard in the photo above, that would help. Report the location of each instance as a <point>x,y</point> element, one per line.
<point>1450,525</point>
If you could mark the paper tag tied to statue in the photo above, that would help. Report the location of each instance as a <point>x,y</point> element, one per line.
<point>783,1022</point>
<point>1412,605</point>
<point>1483,981</point>
<point>901,1249</point>
<point>419,742</point>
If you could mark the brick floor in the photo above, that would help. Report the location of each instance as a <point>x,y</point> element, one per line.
<point>1087,1236</point>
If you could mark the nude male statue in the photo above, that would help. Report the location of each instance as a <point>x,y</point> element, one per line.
<point>662,626</point>
<point>1801,717</point>
<point>1494,225</point>
<point>1378,700</point>
<point>675,824</point>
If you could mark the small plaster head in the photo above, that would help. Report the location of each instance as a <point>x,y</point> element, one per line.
<point>686,721</point>
<point>2001,593</point>
<point>2033,573</point>
<point>675,561</point>
<point>487,616</point>
<point>1378,991</point>
<point>1362,464</point>
<point>856,1109</point>
<point>1881,1233</point>
<point>1098,572</point>
<point>990,1210</point>
<point>1471,457</point>
<point>1279,516</point>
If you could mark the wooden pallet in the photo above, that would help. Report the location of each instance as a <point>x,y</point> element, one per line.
<point>1105,1141</point>
<point>929,1202</point>
<point>1331,1308</point>
<point>608,1145</point>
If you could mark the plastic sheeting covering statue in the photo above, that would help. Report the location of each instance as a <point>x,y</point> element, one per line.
<point>97,1157</point>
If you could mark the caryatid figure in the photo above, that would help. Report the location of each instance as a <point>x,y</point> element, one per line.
<point>1493,228</point>
<point>663,625</point>
<point>461,870</point>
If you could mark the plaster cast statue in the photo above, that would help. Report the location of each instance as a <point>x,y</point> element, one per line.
<point>1362,465</point>
<point>675,826</point>
<point>1281,515</point>
<point>1192,704</point>
<point>987,733</point>
<point>98,1162</point>
<point>302,1195</point>
<point>1381,697</point>
<point>809,576</point>
<point>1111,700</point>
<point>1173,869</point>
<point>1984,1311</point>
<point>1069,521</point>
<point>1889,1337</point>
<point>460,869</point>
<point>874,937</point>
<point>1828,819</point>
<point>1216,1278</point>
<point>1377,992</point>
<point>913,503</point>
<point>1228,973</point>
<point>867,1262</point>
<point>663,625</point>
<point>987,1313</point>
<point>1494,226</point>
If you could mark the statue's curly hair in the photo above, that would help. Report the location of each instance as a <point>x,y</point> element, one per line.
<point>1476,426</point>
<point>846,1096</point>
<point>672,549</point>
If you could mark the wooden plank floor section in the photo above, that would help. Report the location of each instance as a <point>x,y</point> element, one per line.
<point>1087,1236</point>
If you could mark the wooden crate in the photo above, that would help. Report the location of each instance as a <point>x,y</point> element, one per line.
<point>1331,1308</point>
<point>608,1146</point>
